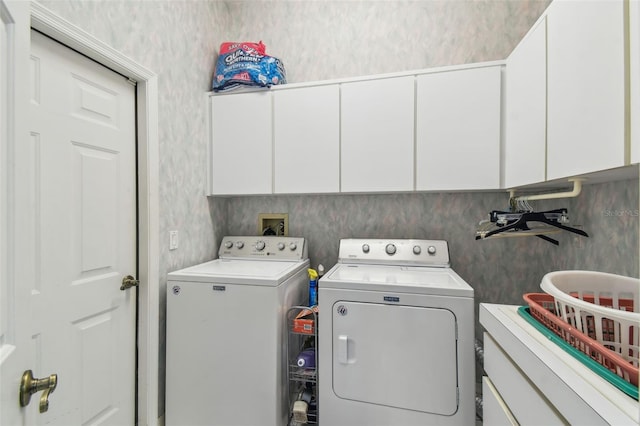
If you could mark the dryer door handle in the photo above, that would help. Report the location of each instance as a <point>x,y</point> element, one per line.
<point>343,351</point>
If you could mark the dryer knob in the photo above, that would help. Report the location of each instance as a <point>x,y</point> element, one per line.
<point>431,250</point>
<point>260,245</point>
<point>417,250</point>
<point>293,246</point>
<point>239,244</point>
<point>281,246</point>
<point>228,244</point>
<point>390,249</point>
<point>365,248</point>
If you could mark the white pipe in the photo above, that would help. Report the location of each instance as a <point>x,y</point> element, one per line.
<point>577,187</point>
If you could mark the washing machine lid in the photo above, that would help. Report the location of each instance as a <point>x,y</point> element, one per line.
<point>241,271</point>
<point>397,279</point>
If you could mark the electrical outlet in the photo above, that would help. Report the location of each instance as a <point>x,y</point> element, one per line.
<point>173,240</point>
<point>273,224</point>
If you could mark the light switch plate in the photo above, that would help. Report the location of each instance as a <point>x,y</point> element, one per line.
<point>173,240</point>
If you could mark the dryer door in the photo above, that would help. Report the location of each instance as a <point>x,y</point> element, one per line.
<point>396,356</point>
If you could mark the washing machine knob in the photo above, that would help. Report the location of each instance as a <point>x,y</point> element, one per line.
<point>280,246</point>
<point>260,245</point>
<point>417,250</point>
<point>431,250</point>
<point>390,249</point>
<point>293,246</point>
<point>365,248</point>
<point>228,244</point>
<point>239,244</point>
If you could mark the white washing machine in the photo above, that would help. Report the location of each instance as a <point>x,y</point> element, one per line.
<point>396,333</point>
<point>225,333</point>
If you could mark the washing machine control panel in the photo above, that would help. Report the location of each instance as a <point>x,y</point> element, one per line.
<point>267,247</point>
<point>434,253</point>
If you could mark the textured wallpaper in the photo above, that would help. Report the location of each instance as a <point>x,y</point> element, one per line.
<point>320,40</point>
<point>499,270</point>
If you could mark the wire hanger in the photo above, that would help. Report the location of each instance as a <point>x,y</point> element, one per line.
<point>523,223</point>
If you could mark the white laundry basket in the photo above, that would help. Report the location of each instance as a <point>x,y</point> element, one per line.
<point>605,307</point>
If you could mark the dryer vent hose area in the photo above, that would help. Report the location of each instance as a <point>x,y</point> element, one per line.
<point>479,351</point>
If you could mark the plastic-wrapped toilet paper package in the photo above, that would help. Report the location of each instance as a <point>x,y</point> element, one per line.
<point>246,64</point>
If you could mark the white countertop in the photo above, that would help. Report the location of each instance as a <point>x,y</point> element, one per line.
<point>579,394</point>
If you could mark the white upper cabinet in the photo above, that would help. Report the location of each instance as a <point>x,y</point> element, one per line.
<point>586,87</point>
<point>377,135</point>
<point>525,110</point>
<point>241,149</point>
<point>458,129</point>
<point>634,45</point>
<point>307,140</point>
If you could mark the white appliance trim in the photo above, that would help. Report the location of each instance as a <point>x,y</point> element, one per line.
<point>373,282</point>
<point>46,22</point>
<point>258,272</point>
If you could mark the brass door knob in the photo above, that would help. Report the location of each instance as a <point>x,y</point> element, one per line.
<point>128,282</point>
<point>29,386</point>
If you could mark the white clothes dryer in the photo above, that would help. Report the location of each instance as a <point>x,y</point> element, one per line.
<point>225,363</point>
<point>396,335</point>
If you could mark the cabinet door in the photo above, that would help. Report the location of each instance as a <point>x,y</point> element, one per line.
<point>525,110</point>
<point>458,130</point>
<point>634,44</point>
<point>525,402</point>
<point>241,149</point>
<point>307,140</point>
<point>494,410</point>
<point>377,126</point>
<point>586,87</point>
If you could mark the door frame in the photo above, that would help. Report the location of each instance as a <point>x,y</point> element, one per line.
<point>46,22</point>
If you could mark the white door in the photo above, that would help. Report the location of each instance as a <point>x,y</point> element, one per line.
<point>15,354</point>
<point>76,231</point>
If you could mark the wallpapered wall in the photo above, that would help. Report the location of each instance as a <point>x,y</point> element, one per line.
<point>500,270</point>
<point>326,39</point>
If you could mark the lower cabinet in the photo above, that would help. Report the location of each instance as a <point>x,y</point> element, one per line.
<point>521,399</point>
<point>495,411</point>
<point>530,380</point>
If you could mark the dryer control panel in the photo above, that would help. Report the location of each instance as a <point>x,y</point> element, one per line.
<point>433,253</point>
<point>263,248</point>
